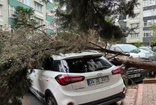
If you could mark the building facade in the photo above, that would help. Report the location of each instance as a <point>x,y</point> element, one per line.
<point>43,14</point>
<point>145,15</point>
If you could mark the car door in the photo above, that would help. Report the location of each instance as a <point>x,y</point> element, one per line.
<point>34,76</point>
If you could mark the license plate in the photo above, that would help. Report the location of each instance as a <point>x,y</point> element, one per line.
<point>134,75</point>
<point>99,80</point>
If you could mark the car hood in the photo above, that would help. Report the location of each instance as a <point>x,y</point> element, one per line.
<point>136,55</point>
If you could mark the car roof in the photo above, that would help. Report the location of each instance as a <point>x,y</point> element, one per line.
<point>121,45</point>
<point>76,55</point>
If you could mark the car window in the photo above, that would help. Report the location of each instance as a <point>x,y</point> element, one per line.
<point>129,49</point>
<point>83,65</point>
<point>57,66</point>
<point>52,65</point>
<point>117,49</point>
<point>47,64</point>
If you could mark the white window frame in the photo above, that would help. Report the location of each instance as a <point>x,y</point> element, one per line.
<point>134,35</point>
<point>135,25</point>
<point>27,2</point>
<point>39,21</point>
<point>38,7</point>
<point>49,25</point>
<point>147,33</point>
<point>19,0</point>
<point>11,11</point>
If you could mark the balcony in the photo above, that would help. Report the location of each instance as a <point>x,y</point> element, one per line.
<point>133,40</point>
<point>132,21</point>
<point>147,39</point>
<point>136,11</point>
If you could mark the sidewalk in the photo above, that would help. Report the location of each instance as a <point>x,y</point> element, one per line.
<point>144,94</point>
<point>149,94</point>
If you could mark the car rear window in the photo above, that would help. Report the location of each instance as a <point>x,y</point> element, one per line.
<point>83,65</point>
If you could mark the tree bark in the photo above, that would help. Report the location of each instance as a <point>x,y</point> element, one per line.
<point>126,61</point>
<point>137,63</point>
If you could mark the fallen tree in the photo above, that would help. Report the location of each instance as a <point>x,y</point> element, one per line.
<point>126,60</point>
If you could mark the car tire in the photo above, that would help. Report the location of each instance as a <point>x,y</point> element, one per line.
<point>50,100</point>
<point>114,103</point>
<point>129,82</point>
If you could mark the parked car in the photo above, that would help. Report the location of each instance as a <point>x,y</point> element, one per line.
<point>129,49</point>
<point>135,75</point>
<point>148,53</point>
<point>147,49</point>
<point>85,78</point>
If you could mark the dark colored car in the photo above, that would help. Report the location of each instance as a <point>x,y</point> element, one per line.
<point>135,75</point>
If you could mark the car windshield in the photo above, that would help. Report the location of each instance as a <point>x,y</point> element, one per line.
<point>83,65</point>
<point>144,51</point>
<point>129,49</point>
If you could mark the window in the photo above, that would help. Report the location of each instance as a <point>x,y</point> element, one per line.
<point>51,1</point>
<point>38,7</point>
<point>0,10</point>
<point>137,6</point>
<point>149,22</point>
<point>11,11</point>
<point>154,11</point>
<point>48,9</point>
<point>1,27</point>
<point>145,23</point>
<point>149,2</point>
<point>47,64</point>
<point>154,2</point>
<point>128,48</point>
<point>39,21</point>
<point>19,0</point>
<point>134,35</point>
<point>27,2</point>
<point>49,25</point>
<point>145,3</point>
<point>88,64</point>
<point>154,21</point>
<point>147,33</point>
<point>149,12</point>
<point>137,16</point>
<point>135,25</point>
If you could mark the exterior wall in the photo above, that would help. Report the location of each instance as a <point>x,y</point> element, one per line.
<point>138,30</point>
<point>143,31</point>
<point>4,13</point>
<point>44,15</point>
<point>152,17</point>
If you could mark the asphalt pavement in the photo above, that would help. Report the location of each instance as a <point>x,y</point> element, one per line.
<point>31,99</point>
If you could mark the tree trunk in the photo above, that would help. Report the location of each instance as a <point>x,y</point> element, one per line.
<point>137,63</point>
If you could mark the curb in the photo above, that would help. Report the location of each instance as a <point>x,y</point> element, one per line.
<point>153,80</point>
<point>139,95</point>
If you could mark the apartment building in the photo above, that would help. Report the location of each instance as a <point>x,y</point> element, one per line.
<point>43,14</point>
<point>149,17</point>
<point>145,12</point>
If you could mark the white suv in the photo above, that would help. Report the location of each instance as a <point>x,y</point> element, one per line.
<point>85,78</point>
